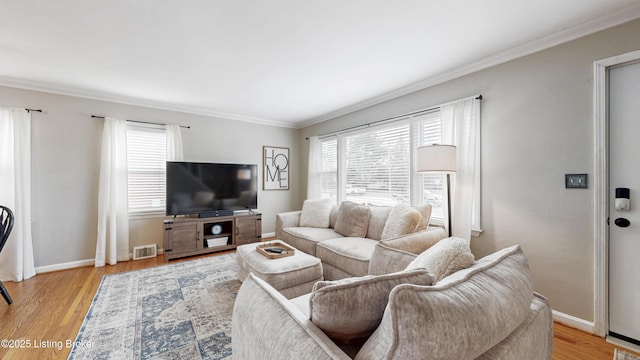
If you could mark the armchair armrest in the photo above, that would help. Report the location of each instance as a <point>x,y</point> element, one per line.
<point>267,326</point>
<point>285,220</point>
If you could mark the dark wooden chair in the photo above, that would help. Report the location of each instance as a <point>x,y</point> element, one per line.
<point>6,225</point>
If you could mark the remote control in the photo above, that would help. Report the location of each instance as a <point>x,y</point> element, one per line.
<point>274,250</point>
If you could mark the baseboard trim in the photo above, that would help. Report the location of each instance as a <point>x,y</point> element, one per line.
<point>65,266</point>
<point>268,235</point>
<point>574,322</point>
<point>76,264</point>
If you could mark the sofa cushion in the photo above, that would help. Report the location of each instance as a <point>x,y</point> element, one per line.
<point>353,219</point>
<point>444,258</point>
<point>351,309</point>
<point>306,238</point>
<point>349,254</point>
<point>461,317</point>
<point>333,216</point>
<point>379,215</point>
<point>425,216</point>
<point>402,220</point>
<point>315,213</point>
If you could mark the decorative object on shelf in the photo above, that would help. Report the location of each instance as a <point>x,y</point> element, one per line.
<point>275,250</point>
<point>439,159</point>
<point>216,229</point>
<point>275,174</point>
<point>217,242</point>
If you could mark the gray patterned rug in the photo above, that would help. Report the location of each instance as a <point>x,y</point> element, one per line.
<point>623,355</point>
<point>176,311</point>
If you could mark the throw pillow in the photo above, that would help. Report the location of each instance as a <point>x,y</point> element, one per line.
<point>315,213</point>
<point>402,220</point>
<point>350,309</point>
<point>353,219</point>
<point>379,215</point>
<point>425,212</point>
<point>444,258</point>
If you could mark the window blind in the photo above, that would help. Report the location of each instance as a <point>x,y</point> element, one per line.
<point>375,165</point>
<point>146,163</point>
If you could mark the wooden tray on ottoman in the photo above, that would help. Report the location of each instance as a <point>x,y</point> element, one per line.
<point>286,250</point>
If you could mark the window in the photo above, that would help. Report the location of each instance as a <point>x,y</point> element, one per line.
<point>146,166</point>
<point>375,165</point>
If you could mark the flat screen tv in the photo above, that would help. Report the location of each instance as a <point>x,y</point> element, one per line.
<point>194,188</point>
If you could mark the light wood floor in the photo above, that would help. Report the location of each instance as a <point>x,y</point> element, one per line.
<point>48,310</point>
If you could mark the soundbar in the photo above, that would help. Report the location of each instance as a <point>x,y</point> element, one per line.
<point>215,213</point>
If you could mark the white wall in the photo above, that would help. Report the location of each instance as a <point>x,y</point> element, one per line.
<point>537,125</point>
<point>66,163</point>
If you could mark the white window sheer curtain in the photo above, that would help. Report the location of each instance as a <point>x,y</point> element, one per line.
<point>113,213</point>
<point>174,143</point>
<point>315,168</point>
<point>461,127</point>
<point>16,259</point>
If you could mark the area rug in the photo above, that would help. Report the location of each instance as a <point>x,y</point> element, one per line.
<point>623,355</point>
<point>175,311</point>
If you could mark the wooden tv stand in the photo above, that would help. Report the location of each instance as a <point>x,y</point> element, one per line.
<point>188,236</point>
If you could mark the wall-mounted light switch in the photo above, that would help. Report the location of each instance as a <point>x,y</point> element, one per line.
<point>575,181</point>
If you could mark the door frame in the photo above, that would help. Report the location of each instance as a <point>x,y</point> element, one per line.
<point>601,186</point>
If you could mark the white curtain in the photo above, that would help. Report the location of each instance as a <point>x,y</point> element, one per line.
<point>174,143</point>
<point>461,127</point>
<point>113,215</point>
<point>315,168</point>
<point>16,259</point>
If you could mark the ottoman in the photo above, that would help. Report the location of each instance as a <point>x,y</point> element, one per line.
<point>292,276</point>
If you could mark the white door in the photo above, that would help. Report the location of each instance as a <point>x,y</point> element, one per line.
<point>624,172</point>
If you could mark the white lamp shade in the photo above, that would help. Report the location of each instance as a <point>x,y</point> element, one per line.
<point>436,158</point>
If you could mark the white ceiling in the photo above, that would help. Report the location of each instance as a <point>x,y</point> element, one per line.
<point>281,62</point>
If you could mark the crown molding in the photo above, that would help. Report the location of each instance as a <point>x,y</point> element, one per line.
<point>565,35</point>
<point>121,99</point>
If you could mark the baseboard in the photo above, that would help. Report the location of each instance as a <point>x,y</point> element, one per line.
<point>75,264</point>
<point>574,322</point>
<point>268,235</point>
<point>65,266</point>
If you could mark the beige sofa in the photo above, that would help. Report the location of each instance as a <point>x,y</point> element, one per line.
<point>346,256</point>
<point>486,311</point>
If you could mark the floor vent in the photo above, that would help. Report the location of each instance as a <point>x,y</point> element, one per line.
<point>144,252</point>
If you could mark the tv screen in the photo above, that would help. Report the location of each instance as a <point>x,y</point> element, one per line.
<point>194,188</point>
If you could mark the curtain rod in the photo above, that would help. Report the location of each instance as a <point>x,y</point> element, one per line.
<point>34,110</point>
<point>396,117</point>
<point>141,122</point>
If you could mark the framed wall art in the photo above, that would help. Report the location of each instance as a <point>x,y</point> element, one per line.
<point>275,168</point>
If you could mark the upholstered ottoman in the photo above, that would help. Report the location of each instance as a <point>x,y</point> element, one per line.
<point>292,276</point>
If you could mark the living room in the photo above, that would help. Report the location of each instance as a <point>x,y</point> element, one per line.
<point>537,126</point>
